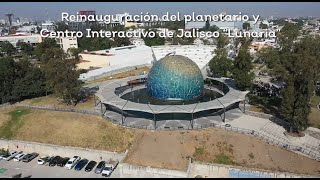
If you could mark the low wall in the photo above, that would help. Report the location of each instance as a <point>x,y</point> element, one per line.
<point>223,171</point>
<point>64,151</point>
<point>129,171</point>
<point>203,170</point>
<point>52,108</point>
<point>96,74</point>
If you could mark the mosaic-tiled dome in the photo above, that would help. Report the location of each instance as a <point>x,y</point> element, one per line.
<point>175,77</point>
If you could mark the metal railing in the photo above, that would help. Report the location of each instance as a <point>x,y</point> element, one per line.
<point>50,108</point>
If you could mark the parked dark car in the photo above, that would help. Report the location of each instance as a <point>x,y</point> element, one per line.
<point>90,166</point>
<point>81,164</point>
<point>100,167</point>
<point>54,161</point>
<point>63,161</point>
<point>29,157</point>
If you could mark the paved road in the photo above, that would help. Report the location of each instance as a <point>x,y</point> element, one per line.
<point>10,168</point>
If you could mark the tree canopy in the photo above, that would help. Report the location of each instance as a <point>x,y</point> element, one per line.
<point>20,80</point>
<point>263,26</point>
<point>297,63</point>
<point>95,44</point>
<point>220,65</point>
<point>242,67</point>
<point>246,26</point>
<point>61,26</point>
<point>155,41</point>
<point>6,48</point>
<point>26,48</point>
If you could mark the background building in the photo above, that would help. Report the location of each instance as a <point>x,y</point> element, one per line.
<point>67,43</point>
<point>33,39</point>
<point>50,26</point>
<point>82,25</point>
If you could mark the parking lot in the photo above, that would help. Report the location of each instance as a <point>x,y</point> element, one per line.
<point>11,168</point>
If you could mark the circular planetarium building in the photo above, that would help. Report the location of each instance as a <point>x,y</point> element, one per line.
<point>173,91</point>
<point>175,78</point>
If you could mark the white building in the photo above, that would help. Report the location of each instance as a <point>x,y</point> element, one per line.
<point>50,26</point>
<point>200,54</point>
<point>130,56</point>
<point>2,21</point>
<point>115,58</point>
<point>33,39</point>
<point>67,43</point>
<point>28,29</point>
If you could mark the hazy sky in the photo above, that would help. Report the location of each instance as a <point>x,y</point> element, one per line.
<point>38,10</point>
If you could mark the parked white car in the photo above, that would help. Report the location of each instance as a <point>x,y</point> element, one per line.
<point>42,160</point>
<point>108,169</point>
<point>6,157</point>
<point>12,155</point>
<point>18,157</point>
<point>72,162</point>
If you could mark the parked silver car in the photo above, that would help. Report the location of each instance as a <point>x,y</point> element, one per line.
<point>100,167</point>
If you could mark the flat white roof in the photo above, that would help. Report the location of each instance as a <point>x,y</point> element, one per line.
<point>128,56</point>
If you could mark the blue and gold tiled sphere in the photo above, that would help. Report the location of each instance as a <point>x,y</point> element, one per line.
<point>175,77</point>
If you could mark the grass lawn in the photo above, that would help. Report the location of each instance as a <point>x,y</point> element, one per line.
<point>54,102</point>
<point>63,128</point>
<point>260,104</point>
<point>315,100</point>
<point>314,116</point>
<point>264,104</point>
<point>11,126</point>
<point>256,108</point>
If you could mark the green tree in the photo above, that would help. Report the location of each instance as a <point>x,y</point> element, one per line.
<point>220,65</point>
<point>74,52</point>
<point>213,28</point>
<point>61,26</point>
<point>97,27</point>
<point>30,82</point>
<point>155,41</point>
<point>263,26</point>
<point>121,41</point>
<point>7,48</point>
<point>20,80</point>
<point>246,25</point>
<point>25,48</point>
<point>298,90</point>
<point>287,36</point>
<point>174,25</point>
<point>95,44</point>
<point>242,67</point>
<point>41,50</point>
<point>62,79</point>
<point>208,27</point>
<point>7,77</point>
<point>297,63</point>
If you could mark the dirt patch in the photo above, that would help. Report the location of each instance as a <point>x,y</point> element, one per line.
<point>160,149</point>
<point>171,150</point>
